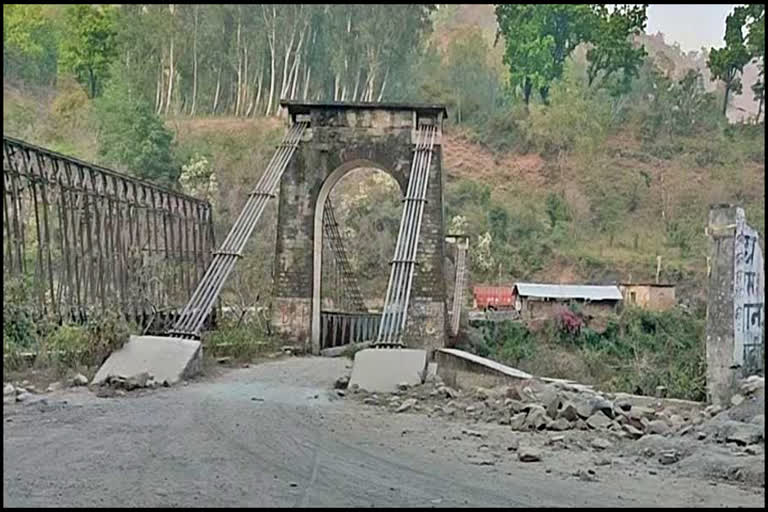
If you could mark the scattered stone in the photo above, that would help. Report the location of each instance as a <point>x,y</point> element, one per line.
<point>403,386</point>
<point>599,443</point>
<point>341,392</point>
<point>568,412</point>
<point>657,427</point>
<point>559,424</point>
<point>513,445</point>
<point>736,400</point>
<point>481,393</point>
<point>528,454</point>
<point>53,386</point>
<point>587,476</point>
<point>448,392</point>
<point>556,439</point>
<point>669,457</point>
<point>341,382</point>
<point>257,399</point>
<point>701,436</point>
<point>603,461</point>
<point>536,418</point>
<point>744,434</point>
<point>602,405</point>
<point>581,424</point>
<point>598,420</point>
<point>517,421</point>
<point>224,360</point>
<point>685,430</point>
<point>504,420</point>
<point>482,461</point>
<point>661,391</point>
<point>473,433</point>
<point>751,384</point>
<point>470,409</point>
<point>713,410</point>
<point>623,405</point>
<point>369,401</point>
<point>23,397</point>
<point>8,390</point>
<point>633,432</point>
<point>82,380</point>
<point>584,410</point>
<point>752,449</point>
<point>513,405</point>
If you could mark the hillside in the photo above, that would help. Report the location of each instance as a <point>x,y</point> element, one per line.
<point>587,189</point>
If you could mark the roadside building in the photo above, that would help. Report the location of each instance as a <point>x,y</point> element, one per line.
<point>535,301</point>
<point>651,296</point>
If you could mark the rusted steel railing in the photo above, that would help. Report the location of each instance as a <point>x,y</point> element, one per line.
<point>86,238</point>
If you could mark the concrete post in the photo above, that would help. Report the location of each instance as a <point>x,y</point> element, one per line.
<point>734,302</point>
<point>722,234</point>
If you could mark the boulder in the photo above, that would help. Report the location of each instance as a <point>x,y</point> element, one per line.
<point>584,410</point>
<point>559,424</point>
<point>599,443</point>
<point>602,405</point>
<point>598,420</point>
<point>568,411</point>
<point>623,405</point>
<point>744,434</point>
<point>513,405</point>
<point>634,433</point>
<point>407,404</point>
<point>638,412</point>
<point>536,418</point>
<point>9,390</point>
<point>657,427</point>
<point>528,454</point>
<point>341,382</point>
<point>736,400</point>
<point>54,386</point>
<point>669,457</point>
<point>517,421</point>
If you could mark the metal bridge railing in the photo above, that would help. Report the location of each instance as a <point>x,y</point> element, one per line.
<point>87,238</point>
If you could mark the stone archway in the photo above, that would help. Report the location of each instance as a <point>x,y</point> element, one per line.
<point>342,137</point>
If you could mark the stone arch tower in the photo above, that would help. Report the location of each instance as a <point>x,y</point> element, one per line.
<point>342,137</point>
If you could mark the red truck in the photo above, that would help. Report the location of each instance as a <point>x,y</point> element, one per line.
<point>493,297</point>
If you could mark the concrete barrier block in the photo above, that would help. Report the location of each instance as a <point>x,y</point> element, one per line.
<point>166,359</point>
<point>382,369</point>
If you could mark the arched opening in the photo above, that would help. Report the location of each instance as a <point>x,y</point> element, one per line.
<point>366,205</point>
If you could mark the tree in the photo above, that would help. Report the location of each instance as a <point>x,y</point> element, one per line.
<point>754,17</point>
<point>727,63</point>
<point>613,50</point>
<point>29,45</point>
<point>88,45</point>
<point>131,135</point>
<point>538,39</point>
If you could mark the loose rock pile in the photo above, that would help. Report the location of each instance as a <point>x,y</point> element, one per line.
<point>533,405</point>
<point>26,392</point>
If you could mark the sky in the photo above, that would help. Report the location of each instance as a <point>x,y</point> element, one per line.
<point>691,25</point>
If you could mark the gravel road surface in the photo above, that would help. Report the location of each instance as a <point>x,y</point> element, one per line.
<point>276,434</point>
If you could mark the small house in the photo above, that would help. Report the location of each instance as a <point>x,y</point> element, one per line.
<point>651,296</point>
<point>534,301</point>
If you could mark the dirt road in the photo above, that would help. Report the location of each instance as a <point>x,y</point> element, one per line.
<point>276,434</point>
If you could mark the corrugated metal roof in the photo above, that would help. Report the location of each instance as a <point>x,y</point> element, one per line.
<point>568,291</point>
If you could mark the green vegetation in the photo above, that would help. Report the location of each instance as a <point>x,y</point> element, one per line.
<point>57,346</point>
<point>638,351</point>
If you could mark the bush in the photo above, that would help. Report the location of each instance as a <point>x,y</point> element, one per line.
<point>70,346</point>
<point>242,342</point>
